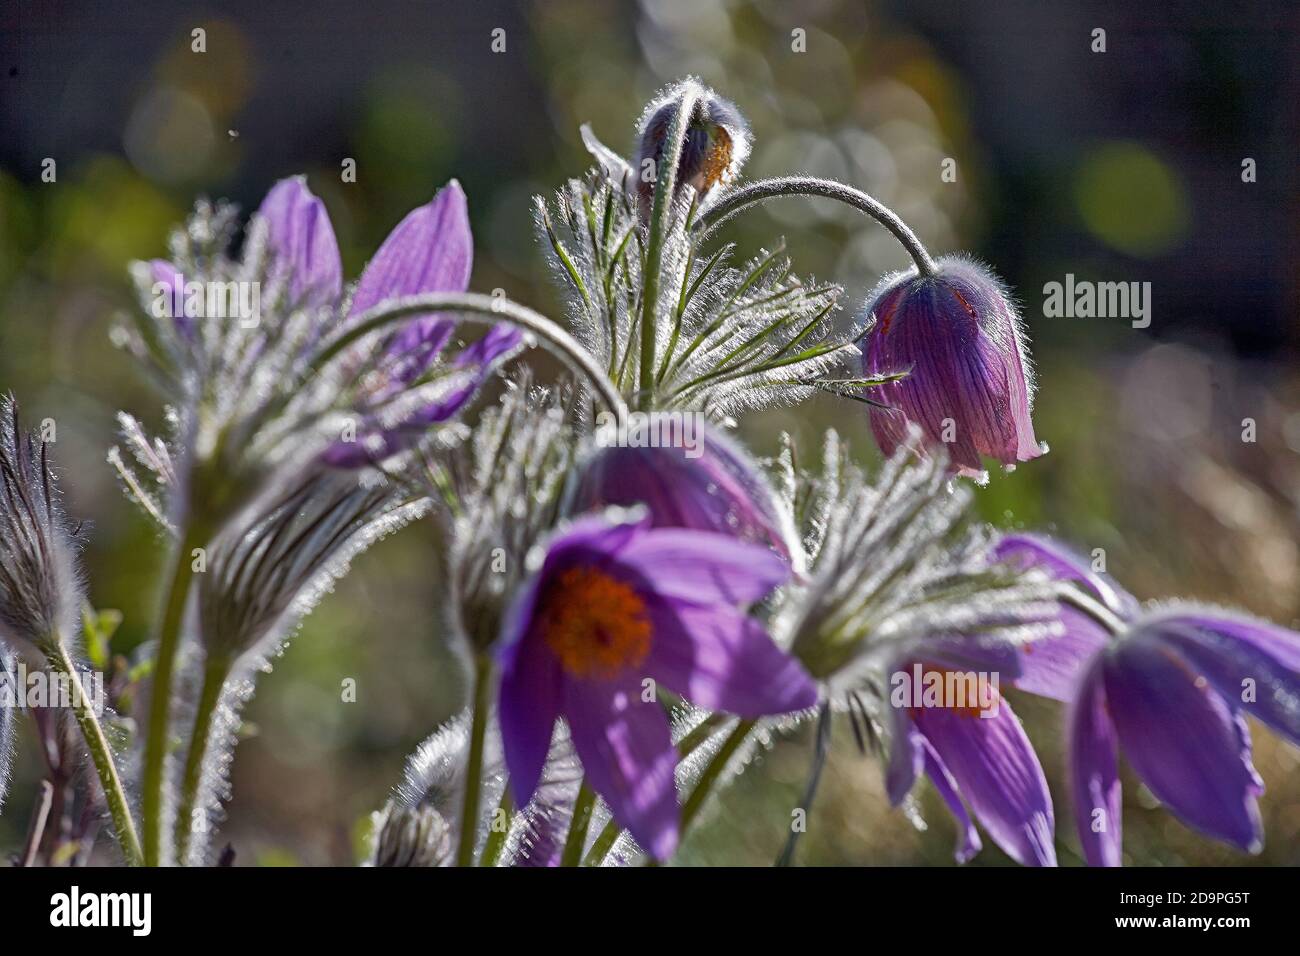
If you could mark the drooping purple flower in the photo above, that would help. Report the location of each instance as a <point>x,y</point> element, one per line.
<point>983,759</point>
<point>707,484</point>
<point>431,250</point>
<point>1052,667</point>
<point>1172,694</point>
<point>969,385</point>
<point>615,609</point>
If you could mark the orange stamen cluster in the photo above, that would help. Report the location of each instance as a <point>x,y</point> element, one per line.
<point>594,623</point>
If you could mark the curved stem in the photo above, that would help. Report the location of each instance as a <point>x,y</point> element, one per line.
<point>660,220</point>
<point>214,679</point>
<point>713,772</point>
<point>101,755</point>
<point>578,824</point>
<point>486,310</point>
<point>766,189</point>
<point>474,765</point>
<point>157,742</point>
<point>1111,622</point>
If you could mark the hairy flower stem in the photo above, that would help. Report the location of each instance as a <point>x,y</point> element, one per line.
<point>100,754</point>
<point>214,680</point>
<point>660,218</point>
<point>713,772</point>
<point>485,310</point>
<point>474,766</point>
<point>765,189</point>
<point>578,825</point>
<point>496,840</point>
<point>157,742</point>
<point>1075,598</point>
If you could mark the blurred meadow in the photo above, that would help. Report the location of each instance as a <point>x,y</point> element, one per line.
<point>1123,166</point>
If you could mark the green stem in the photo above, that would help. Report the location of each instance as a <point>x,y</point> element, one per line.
<point>581,820</point>
<point>496,840</point>
<point>157,743</point>
<point>214,679</point>
<point>713,772</point>
<point>766,189</point>
<point>660,220</point>
<point>486,310</point>
<point>100,755</point>
<point>474,767</point>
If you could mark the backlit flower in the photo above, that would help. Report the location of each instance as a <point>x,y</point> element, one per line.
<point>616,608</point>
<point>969,385</point>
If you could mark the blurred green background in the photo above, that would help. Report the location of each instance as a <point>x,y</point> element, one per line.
<point>1117,166</point>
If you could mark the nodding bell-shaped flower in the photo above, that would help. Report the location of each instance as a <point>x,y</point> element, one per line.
<point>716,145</point>
<point>969,385</point>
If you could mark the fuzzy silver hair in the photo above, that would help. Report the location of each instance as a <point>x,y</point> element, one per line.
<point>40,585</point>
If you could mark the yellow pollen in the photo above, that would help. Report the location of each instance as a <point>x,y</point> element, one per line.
<point>596,625</point>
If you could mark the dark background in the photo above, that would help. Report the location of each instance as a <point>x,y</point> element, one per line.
<point>1116,166</point>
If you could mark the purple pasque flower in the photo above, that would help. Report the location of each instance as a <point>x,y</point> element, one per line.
<point>431,250</point>
<point>1051,667</point>
<point>1172,694</point>
<point>977,757</point>
<point>708,483</point>
<point>969,385</point>
<point>616,608</point>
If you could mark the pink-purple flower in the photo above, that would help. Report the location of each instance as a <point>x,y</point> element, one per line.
<point>979,758</point>
<point>1171,691</point>
<point>968,385</point>
<point>616,609</point>
<point>431,250</point>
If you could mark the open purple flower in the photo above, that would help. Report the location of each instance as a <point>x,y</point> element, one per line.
<point>431,250</point>
<point>980,758</point>
<point>1172,693</point>
<point>712,485</point>
<point>615,609</point>
<point>969,385</point>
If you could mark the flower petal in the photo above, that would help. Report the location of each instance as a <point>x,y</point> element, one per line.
<point>1181,740</point>
<point>1244,672</point>
<point>998,772</point>
<point>431,250</point>
<point>302,239</point>
<point>705,568</point>
<point>627,752</point>
<point>968,838</point>
<point>530,696</point>
<point>1094,773</point>
<point>723,660</point>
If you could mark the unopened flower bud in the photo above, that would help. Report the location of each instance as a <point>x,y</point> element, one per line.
<point>716,144</point>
